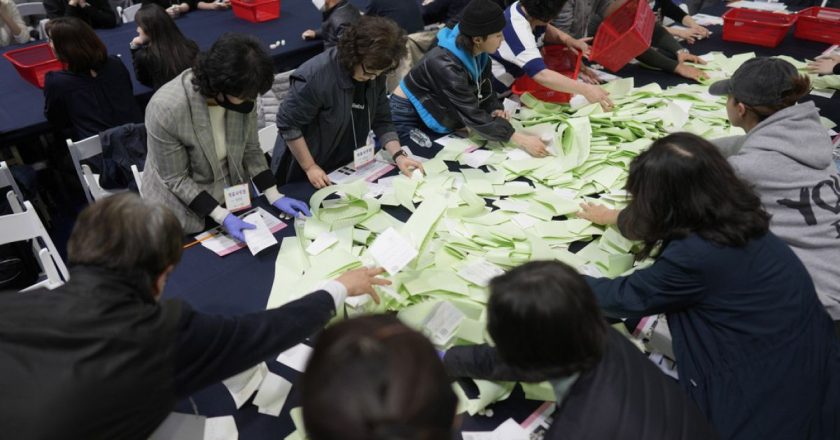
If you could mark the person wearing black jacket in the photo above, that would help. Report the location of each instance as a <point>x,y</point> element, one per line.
<point>96,13</point>
<point>547,325</point>
<point>337,15</point>
<point>451,86</point>
<point>160,51</point>
<point>101,358</point>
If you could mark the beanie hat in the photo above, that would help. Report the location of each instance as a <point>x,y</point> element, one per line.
<point>481,17</point>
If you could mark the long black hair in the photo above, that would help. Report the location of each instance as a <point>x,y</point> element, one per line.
<point>169,51</point>
<point>682,185</point>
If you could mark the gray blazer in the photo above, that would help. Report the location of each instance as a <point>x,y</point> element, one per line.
<point>182,170</point>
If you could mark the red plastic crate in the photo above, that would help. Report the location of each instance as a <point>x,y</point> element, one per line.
<point>761,28</point>
<point>818,24</point>
<point>33,62</point>
<point>558,58</point>
<point>256,11</point>
<point>624,35</point>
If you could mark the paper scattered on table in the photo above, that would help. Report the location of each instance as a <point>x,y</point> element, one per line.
<point>605,76</point>
<point>477,158</point>
<point>296,357</point>
<point>480,272</point>
<point>440,326</point>
<point>708,20</point>
<point>321,243</point>
<point>509,430</point>
<point>218,240</point>
<point>523,220</point>
<point>243,385</point>
<point>272,394</point>
<point>392,251</point>
<point>220,428</point>
<point>260,238</point>
<point>578,101</point>
<point>825,93</point>
<point>369,172</point>
<point>517,154</point>
<point>761,6</point>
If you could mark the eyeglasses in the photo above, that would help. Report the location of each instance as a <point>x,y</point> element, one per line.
<point>373,75</point>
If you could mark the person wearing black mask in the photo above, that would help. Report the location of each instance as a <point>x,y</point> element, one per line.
<point>202,137</point>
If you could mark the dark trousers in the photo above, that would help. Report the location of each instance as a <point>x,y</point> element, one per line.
<point>405,118</point>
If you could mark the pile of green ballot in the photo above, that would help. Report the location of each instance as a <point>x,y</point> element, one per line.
<point>503,209</point>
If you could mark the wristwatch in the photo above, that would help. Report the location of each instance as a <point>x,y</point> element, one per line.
<point>398,154</point>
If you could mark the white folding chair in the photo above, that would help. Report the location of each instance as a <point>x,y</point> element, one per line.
<point>14,195</point>
<point>267,136</point>
<point>138,178</point>
<point>82,150</point>
<point>128,13</point>
<point>26,225</point>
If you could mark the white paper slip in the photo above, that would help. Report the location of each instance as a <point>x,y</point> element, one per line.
<point>442,323</point>
<point>477,158</point>
<point>567,193</point>
<point>509,430</point>
<point>321,243</point>
<point>243,385</point>
<point>591,270</point>
<point>511,205</point>
<point>605,76</point>
<point>523,220</point>
<point>825,93</point>
<point>296,357</point>
<point>357,301</point>
<point>761,6</point>
<point>578,101</point>
<point>392,251</point>
<point>271,221</point>
<point>480,272</point>
<point>517,154</point>
<point>260,238</point>
<point>510,106</point>
<point>220,428</point>
<point>708,20</point>
<point>272,394</point>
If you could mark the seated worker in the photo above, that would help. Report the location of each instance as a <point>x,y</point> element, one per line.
<point>334,101</point>
<point>93,92</point>
<point>546,324</point>
<point>202,137</point>
<point>374,378</point>
<point>337,15</point>
<point>451,86</point>
<point>160,51</point>
<point>96,13</point>
<point>527,25</point>
<point>787,156</point>
<point>102,358</point>
<point>581,18</point>
<point>754,347</point>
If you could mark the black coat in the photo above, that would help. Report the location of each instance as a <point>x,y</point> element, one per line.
<point>624,397</point>
<point>335,20</point>
<point>98,13</point>
<point>99,358</point>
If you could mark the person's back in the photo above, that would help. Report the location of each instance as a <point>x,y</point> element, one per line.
<point>406,13</point>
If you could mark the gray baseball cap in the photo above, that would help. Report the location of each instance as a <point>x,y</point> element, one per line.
<point>759,81</point>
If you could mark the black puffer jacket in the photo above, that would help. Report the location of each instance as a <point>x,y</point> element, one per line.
<point>335,20</point>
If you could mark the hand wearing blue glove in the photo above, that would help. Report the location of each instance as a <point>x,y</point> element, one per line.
<point>234,225</point>
<point>292,207</point>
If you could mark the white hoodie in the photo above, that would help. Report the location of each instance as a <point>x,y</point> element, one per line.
<point>787,158</point>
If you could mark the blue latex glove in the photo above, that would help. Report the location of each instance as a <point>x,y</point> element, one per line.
<point>234,225</point>
<point>441,354</point>
<point>292,207</point>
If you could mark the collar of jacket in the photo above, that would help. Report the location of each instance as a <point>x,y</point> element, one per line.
<point>99,280</point>
<point>339,5</point>
<point>343,77</point>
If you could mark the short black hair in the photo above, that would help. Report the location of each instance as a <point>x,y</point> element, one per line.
<point>236,65</point>
<point>126,234</point>
<point>375,378</point>
<point>545,321</point>
<point>543,10</point>
<point>378,43</point>
<point>682,185</point>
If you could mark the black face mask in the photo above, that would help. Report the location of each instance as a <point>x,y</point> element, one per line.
<point>243,107</point>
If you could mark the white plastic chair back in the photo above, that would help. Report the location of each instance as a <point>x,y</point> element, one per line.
<point>267,136</point>
<point>138,178</point>
<point>85,149</point>
<point>26,225</point>
<point>128,13</point>
<point>14,195</point>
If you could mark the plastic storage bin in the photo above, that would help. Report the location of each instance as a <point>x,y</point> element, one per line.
<point>558,58</point>
<point>33,62</point>
<point>256,11</point>
<point>761,28</point>
<point>624,35</point>
<point>818,24</point>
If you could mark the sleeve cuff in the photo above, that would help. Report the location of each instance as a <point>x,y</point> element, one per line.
<point>291,134</point>
<point>388,137</point>
<point>336,290</point>
<point>218,214</point>
<point>203,204</point>
<point>264,180</point>
<point>272,195</point>
<point>533,67</point>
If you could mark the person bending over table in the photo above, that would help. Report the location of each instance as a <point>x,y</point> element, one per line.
<point>96,13</point>
<point>374,378</point>
<point>451,87</point>
<point>160,51</point>
<point>101,357</point>
<point>94,92</point>
<point>12,28</point>
<point>546,324</point>
<point>335,100</point>
<point>202,138</point>
<point>754,347</point>
<point>337,15</point>
<point>527,25</point>
<point>787,156</point>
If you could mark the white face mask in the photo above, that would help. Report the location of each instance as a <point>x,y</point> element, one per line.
<point>320,4</point>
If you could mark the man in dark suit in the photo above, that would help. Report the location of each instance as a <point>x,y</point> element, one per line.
<point>100,357</point>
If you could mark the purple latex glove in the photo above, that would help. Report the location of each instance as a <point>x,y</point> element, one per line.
<point>292,207</point>
<point>441,354</point>
<point>234,225</point>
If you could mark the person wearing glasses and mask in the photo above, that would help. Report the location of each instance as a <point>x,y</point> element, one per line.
<point>334,101</point>
<point>203,148</point>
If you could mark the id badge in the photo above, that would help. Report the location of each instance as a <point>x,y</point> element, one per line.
<point>362,156</point>
<point>237,197</point>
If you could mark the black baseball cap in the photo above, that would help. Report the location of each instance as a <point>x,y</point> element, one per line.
<point>759,81</point>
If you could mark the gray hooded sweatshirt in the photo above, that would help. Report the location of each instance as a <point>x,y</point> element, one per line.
<point>787,158</point>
